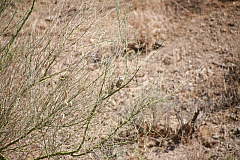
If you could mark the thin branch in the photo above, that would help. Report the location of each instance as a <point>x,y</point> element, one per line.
<point>2,157</point>
<point>19,29</point>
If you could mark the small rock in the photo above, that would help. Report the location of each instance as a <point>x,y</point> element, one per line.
<point>48,19</point>
<point>113,102</point>
<point>223,30</point>
<point>212,19</point>
<point>231,24</point>
<point>215,136</point>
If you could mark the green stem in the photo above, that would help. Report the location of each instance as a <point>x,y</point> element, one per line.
<point>2,157</point>
<point>9,45</point>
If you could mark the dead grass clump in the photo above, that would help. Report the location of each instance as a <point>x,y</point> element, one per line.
<point>153,22</point>
<point>229,86</point>
<point>150,24</point>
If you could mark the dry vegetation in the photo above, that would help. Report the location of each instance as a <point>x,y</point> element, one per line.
<point>119,79</point>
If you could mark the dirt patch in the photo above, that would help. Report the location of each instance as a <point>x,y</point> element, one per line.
<point>201,52</point>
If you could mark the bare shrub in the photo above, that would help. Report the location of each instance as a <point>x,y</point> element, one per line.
<point>150,23</point>
<point>59,82</point>
<point>52,91</point>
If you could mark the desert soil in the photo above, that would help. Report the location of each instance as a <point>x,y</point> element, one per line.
<point>202,52</point>
<point>198,65</point>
